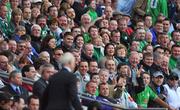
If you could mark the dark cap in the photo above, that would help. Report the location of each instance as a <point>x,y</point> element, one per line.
<point>173,76</point>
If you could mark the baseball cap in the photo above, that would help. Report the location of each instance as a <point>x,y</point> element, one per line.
<point>158,73</point>
<point>173,76</point>
<point>36,1</point>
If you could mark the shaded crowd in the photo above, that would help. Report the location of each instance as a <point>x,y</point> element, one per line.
<point>127,51</point>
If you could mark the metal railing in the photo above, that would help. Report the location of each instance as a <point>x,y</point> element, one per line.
<point>83,96</point>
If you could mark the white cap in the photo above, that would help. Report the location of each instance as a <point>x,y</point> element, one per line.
<point>36,1</point>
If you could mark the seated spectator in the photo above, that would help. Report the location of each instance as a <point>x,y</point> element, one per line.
<point>172,91</point>
<point>104,96</point>
<point>15,85</point>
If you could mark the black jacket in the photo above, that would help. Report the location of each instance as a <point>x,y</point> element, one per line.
<point>61,93</point>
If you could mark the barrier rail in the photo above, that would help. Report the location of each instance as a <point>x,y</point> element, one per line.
<point>83,96</point>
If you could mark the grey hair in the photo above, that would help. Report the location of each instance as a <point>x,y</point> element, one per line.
<point>66,58</point>
<point>42,67</point>
<point>14,73</point>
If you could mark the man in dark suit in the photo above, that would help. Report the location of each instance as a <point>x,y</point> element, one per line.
<point>61,93</point>
<point>40,85</point>
<point>14,87</point>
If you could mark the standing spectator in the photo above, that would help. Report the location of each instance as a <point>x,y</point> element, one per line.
<point>46,71</point>
<point>61,92</point>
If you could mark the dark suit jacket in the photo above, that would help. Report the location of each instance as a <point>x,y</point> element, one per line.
<point>61,93</point>
<point>39,87</point>
<point>24,93</point>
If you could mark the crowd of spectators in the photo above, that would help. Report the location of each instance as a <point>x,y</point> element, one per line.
<point>127,51</point>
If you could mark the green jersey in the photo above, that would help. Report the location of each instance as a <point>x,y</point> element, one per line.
<point>143,97</point>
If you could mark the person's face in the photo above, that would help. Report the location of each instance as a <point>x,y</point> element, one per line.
<point>36,31</point>
<point>53,12</point>
<point>77,57</point>
<point>76,31</point>
<point>27,14</point>
<point>134,46</point>
<point>110,65</point>
<point>141,34</point>
<point>68,40</point>
<point>86,20</point>
<point>124,70</point>
<point>165,62</point>
<point>17,18</point>
<point>122,25</point>
<point>148,61</point>
<point>166,26</point>
<point>121,82</point>
<point>89,50</point>
<point>134,59</point>
<point>41,22</point>
<point>160,51</point>
<point>93,4</point>
<point>105,38</point>
<point>71,13</point>
<point>14,3</point>
<point>105,23</point>
<point>146,79</point>
<point>3,12</point>
<point>80,42</point>
<point>17,80</point>
<point>48,72</point>
<point>7,106</point>
<point>91,88</point>
<point>52,43</point>
<point>110,50</point>
<point>21,104</point>
<point>83,68</point>
<point>149,49</point>
<point>158,80</point>
<point>63,22</point>
<point>164,40</point>
<point>53,27</point>
<point>148,37</point>
<point>176,52</point>
<point>34,104</point>
<point>104,90</point>
<point>116,37</point>
<point>176,36</point>
<point>35,12</point>
<point>93,32</point>
<point>45,56</point>
<point>121,52</point>
<point>107,2</point>
<point>58,54</point>
<point>3,63</point>
<point>159,27</point>
<point>148,21</point>
<point>96,79</point>
<point>113,25</point>
<point>108,12</point>
<point>173,82</point>
<point>93,67</point>
<point>12,46</point>
<point>103,76</point>
<point>21,47</point>
<point>140,25</point>
<point>31,73</point>
<point>27,4</point>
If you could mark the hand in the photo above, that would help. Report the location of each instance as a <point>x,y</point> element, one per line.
<point>139,71</point>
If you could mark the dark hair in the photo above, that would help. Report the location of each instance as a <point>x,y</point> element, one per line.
<point>93,74</point>
<point>26,68</point>
<point>31,97</point>
<point>66,34</point>
<point>106,46</point>
<point>93,105</point>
